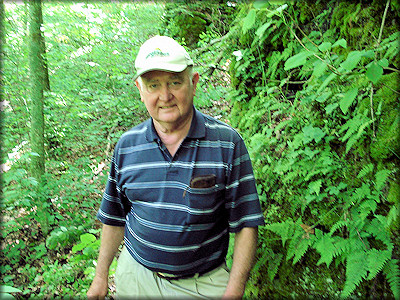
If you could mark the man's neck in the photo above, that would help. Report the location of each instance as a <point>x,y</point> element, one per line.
<point>172,135</point>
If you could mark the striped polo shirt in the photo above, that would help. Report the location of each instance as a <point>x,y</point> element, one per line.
<point>170,226</point>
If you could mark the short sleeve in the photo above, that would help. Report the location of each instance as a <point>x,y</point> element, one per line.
<point>242,200</point>
<point>114,205</point>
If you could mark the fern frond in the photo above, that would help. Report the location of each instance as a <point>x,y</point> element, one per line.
<point>360,193</point>
<point>341,246</point>
<point>338,225</point>
<point>376,261</point>
<point>356,271</point>
<point>365,170</point>
<point>273,265</point>
<point>284,229</point>
<point>380,179</point>
<point>392,273</point>
<point>325,247</point>
<point>377,229</point>
<point>366,207</point>
<point>298,248</point>
<point>298,245</point>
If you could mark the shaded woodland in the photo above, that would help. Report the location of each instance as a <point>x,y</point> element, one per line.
<point>312,86</point>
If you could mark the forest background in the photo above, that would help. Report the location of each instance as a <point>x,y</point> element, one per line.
<point>312,86</point>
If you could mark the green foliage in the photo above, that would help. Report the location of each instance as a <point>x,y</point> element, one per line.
<point>315,121</point>
<point>90,50</point>
<point>5,292</point>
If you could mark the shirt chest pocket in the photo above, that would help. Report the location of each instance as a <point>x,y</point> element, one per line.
<point>204,204</point>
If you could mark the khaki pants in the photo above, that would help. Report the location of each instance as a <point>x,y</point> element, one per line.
<point>133,281</point>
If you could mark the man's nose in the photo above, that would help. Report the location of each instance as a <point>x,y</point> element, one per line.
<point>165,93</point>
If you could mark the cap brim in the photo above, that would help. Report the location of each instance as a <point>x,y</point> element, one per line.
<point>161,67</point>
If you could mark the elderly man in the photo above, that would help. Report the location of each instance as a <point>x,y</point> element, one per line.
<point>179,183</point>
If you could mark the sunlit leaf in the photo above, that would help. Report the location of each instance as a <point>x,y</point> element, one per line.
<point>9,289</point>
<point>325,46</point>
<point>374,72</point>
<point>312,133</point>
<point>342,43</point>
<point>260,31</point>
<point>260,4</point>
<point>249,21</point>
<point>348,99</point>
<point>352,60</point>
<point>297,60</point>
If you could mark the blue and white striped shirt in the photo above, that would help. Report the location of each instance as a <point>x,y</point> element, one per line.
<point>169,226</point>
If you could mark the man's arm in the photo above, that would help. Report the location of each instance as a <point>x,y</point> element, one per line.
<point>111,238</point>
<point>243,258</point>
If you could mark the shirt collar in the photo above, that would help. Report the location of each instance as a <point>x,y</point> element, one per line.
<point>197,128</point>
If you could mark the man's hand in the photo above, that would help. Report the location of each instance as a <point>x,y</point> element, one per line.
<point>111,238</point>
<point>98,289</point>
<point>233,293</point>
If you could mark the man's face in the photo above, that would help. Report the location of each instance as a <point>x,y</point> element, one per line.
<point>168,96</point>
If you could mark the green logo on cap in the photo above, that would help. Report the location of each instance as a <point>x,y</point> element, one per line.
<point>157,52</point>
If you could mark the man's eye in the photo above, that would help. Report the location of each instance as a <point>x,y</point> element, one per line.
<point>175,83</point>
<point>153,86</point>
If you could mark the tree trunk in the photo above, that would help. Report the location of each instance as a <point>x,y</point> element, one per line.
<point>37,88</point>
<point>46,80</point>
<point>2,17</point>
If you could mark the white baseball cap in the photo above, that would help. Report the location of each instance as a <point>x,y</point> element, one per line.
<point>161,53</point>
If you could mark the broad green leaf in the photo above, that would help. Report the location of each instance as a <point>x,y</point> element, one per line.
<point>319,68</point>
<point>342,43</point>
<point>383,63</point>
<point>260,4</point>
<point>326,82</point>
<point>277,11</point>
<point>331,107</point>
<point>78,247</point>
<point>87,238</point>
<point>322,98</point>
<point>374,72</point>
<point>348,99</point>
<point>325,46</point>
<point>297,60</point>
<point>368,54</point>
<point>352,60</point>
<point>312,133</point>
<point>9,289</point>
<point>249,21</point>
<point>260,31</point>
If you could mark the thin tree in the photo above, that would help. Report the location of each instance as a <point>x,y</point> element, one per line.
<point>2,17</point>
<point>37,75</point>
<point>38,86</point>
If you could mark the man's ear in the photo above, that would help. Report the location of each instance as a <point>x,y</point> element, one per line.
<point>195,80</point>
<point>139,87</point>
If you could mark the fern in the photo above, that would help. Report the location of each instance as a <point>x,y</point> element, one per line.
<point>325,247</point>
<point>284,229</point>
<point>366,207</point>
<point>376,261</point>
<point>298,246</point>
<point>365,170</point>
<point>341,246</point>
<point>392,273</point>
<point>377,229</point>
<point>380,179</point>
<point>338,225</point>
<point>356,271</point>
<point>273,265</point>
